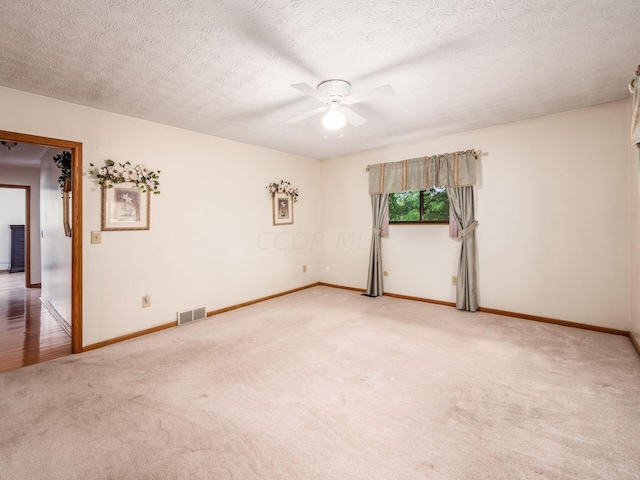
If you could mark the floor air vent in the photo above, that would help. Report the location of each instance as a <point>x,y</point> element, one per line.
<point>186,316</point>
<point>199,312</point>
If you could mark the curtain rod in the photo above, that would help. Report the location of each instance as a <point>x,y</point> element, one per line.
<point>474,152</point>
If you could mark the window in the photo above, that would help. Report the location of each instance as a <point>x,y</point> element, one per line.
<point>424,206</point>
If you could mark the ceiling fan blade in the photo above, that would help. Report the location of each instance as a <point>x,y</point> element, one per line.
<point>306,115</point>
<point>379,92</point>
<point>309,90</point>
<point>352,117</point>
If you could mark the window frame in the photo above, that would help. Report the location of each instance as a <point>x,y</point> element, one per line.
<point>421,221</point>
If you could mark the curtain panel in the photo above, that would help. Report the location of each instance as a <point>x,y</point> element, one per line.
<point>379,210</point>
<point>461,201</point>
<point>634,86</point>
<point>456,169</point>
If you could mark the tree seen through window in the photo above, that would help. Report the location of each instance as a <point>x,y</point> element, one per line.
<point>424,206</point>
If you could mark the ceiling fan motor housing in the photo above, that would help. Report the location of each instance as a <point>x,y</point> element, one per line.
<point>336,96</point>
<point>335,90</point>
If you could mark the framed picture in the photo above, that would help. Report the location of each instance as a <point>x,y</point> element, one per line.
<point>125,207</point>
<point>282,209</point>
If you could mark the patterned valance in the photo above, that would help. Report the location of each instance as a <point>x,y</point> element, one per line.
<point>456,169</point>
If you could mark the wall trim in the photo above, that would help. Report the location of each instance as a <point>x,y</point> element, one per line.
<point>420,299</point>
<point>66,326</point>
<point>165,326</point>
<point>564,323</point>
<point>353,289</point>
<point>129,336</point>
<point>494,311</point>
<point>258,300</point>
<point>393,295</point>
<point>506,313</point>
<point>634,342</point>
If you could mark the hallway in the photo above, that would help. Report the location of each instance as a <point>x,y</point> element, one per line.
<point>29,334</point>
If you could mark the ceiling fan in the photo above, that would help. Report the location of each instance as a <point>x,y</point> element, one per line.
<point>335,96</point>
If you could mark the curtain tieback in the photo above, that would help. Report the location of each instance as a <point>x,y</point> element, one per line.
<point>377,231</point>
<point>468,230</point>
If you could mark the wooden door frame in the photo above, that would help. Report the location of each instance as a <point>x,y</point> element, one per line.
<point>76,223</point>
<point>27,232</point>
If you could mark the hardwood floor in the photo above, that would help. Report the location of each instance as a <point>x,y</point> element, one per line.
<point>29,334</point>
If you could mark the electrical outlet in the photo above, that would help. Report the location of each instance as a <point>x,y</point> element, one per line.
<point>146,301</point>
<point>454,280</point>
<point>326,269</point>
<point>304,269</point>
<point>96,237</point>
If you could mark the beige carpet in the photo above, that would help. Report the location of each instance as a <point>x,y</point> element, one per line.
<point>328,384</point>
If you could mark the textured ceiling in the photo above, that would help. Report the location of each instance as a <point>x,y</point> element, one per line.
<point>224,67</point>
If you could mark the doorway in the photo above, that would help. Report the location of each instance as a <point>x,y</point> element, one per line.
<point>14,233</point>
<point>76,223</point>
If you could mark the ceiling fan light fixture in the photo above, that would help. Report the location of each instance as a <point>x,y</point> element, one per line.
<point>336,97</point>
<point>9,145</point>
<point>334,119</point>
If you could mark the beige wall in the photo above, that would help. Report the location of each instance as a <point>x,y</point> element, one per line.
<point>211,241</point>
<point>21,175</point>
<point>553,207</point>
<point>56,247</point>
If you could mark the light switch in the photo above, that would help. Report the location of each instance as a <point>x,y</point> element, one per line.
<point>96,237</point>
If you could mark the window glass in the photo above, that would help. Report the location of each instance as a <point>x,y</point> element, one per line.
<point>425,206</point>
<point>436,205</point>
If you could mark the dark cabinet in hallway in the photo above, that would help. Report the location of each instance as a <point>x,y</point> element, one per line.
<point>17,248</point>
